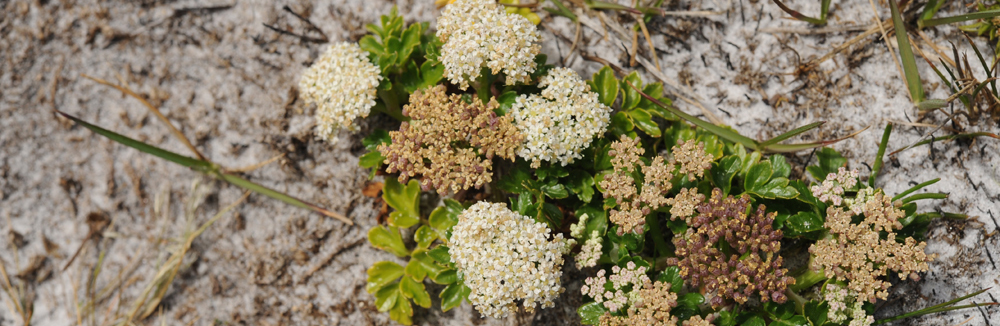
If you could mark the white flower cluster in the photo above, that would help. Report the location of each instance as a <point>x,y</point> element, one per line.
<point>342,82</point>
<point>832,189</point>
<point>561,122</point>
<point>845,305</point>
<point>478,33</point>
<point>590,252</point>
<point>504,256</point>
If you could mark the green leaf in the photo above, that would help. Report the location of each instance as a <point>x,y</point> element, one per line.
<point>757,177</point>
<point>621,124</point>
<point>796,320</point>
<point>805,195</point>
<point>402,312</point>
<point>776,188</point>
<point>803,222</point>
<point>557,191</point>
<point>382,273</point>
<point>791,133</point>
<point>553,216</point>
<point>415,290</point>
<point>597,220</point>
<point>453,294</point>
<point>817,312</point>
<point>369,44</point>
<point>424,236</point>
<point>780,167</point>
<point>754,321</point>
<point>448,276</point>
<point>525,204</point>
<point>445,217</point>
<point>722,172</point>
<point>687,305</point>
<point>440,254</point>
<point>426,262</point>
<point>410,39</point>
<point>518,179</point>
<point>195,164</point>
<point>590,313</point>
<point>430,74</point>
<point>630,96</point>
<point>386,297</point>
<point>605,85</point>
<point>780,310</point>
<point>672,275</point>
<point>377,137</point>
<point>506,100</point>
<point>415,269</point>
<point>829,160</point>
<point>581,183</point>
<point>553,171</point>
<point>410,79</point>
<point>644,121</point>
<point>406,201</point>
<point>907,59</point>
<point>372,159</point>
<point>388,239</point>
<point>749,161</point>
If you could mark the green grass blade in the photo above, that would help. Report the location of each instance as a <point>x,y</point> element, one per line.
<point>724,133</point>
<point>915,188</point>
<point>792,133</point>
<point>143,147</point>
<point>949,137</point>
<point>939,308</point>
<point>247,184</point>
<point>982,61</point>
<point>957,19</point>
<point>930,9</point>
<point>799,16</point>
<point>932,195</point>
<point>906,56</point>
<point>788,148</point>
<point>878,157</point>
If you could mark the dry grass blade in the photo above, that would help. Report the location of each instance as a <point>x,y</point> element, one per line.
<point>146,305</point>
<point>256,166</point>
<point>177,133</point>
<point>18,297</point>
<point>649,41</point>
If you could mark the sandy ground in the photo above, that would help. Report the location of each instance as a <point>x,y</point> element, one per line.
<point>228,83</point>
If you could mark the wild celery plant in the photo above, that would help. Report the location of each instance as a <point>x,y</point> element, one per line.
<point>674,218</point>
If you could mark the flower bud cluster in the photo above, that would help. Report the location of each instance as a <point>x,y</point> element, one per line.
<point>692,158</point>
<point>477,34</point>
<point>751,264</point>
<point>683,205</point>
<point>590,251</point>
<point>845,305</point>
<point>503,256</point>
<point>620,185</point>
<point>449,142</point>
<point>831,190</point>
<point>342,83</point>
<point>628,280</point>
<point>561,122</point>
<point>860,255</point>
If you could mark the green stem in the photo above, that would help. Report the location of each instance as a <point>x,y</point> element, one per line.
<point>800,302</point>
<point>808,277</point>
<point>654,228</point>
<point>484,84</point>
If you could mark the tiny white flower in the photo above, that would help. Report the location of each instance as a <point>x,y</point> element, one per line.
<point>342,83</point>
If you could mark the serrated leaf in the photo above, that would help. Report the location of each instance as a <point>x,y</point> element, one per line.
<point>382,273</point>
<point>416,291</point>
<point>453,294</point>
<point>553,216</point>
<point>672,275</point>
<point>723,171</point>
<point>424,236</point>
<point>446,277</point>
<point>780,166</point>
<point>402,312</point>
<point>621,124</point>
<point>605,85</point>
<point>828,161</point>
<point>406,201</point>
<point>590,313</point>
<point>370,45</point>
<point>377,137</point>
<point>644,122</point>
<point>749,161</point>
<point>754,321</point>
<point>631,97</point>
<point>780,310</point>
<point>803,222</point>
<point>556,191</point>
<point>386,297</point>
<point>426,262</point>
<point>415,269</point>
<point>581,183</point>
<point>776,188</point>
<point>388,239</point>
<point>757,177</point>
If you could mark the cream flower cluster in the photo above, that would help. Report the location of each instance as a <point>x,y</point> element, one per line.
<point>342,83</point>
<point>832,189</point>
<point>845,305</point>
<point>620,278</point>
<point>561,122</point>
<point>590,251</point>
<point>477,33</point>
<point>504,256</point>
